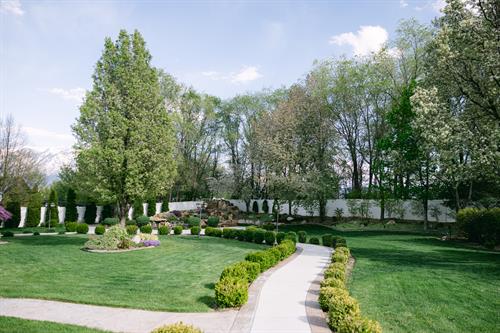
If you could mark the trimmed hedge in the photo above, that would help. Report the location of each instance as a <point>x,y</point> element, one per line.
<point>339,241</point>
<point>178,230</point>
<point>335,270</point>
<point>280,236</point>
<point>179,327</point>
<point>333,282</point>
<point>343,311</point>
<point>142,220</point>
<point>327,240</point>
<point>302,236</point>
<point>231,292</point>
<point>213,221</point>
<point>70,226</point>
<point>195,230</point>
<point>270,237</point>
<point>244,270</point>
<point>314,240</point>
<point>249,234</point>
<point>229,233</point>
<point>110,221</point>
<point>164,230</point>
<point>259,235</point>
<point>146,229</point>
<point>100,229</point>
<point>214,232</point>
<point>240,234</point>
<point>291,235</point>
<point>339,257</point>
<point>131,229</point>
<point>7,234</point>
<point>82,228</point>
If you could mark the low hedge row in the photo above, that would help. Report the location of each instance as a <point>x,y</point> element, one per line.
<point>344,314</point>
<point>232,288</point>
<point>252,234</point>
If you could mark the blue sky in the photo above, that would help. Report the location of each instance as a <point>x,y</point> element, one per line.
<point>48,48</point>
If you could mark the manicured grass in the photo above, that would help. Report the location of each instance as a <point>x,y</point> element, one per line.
<point>27,230</point>
<point>418,283</point>
<point>16,325</point>
<point>177,276</point>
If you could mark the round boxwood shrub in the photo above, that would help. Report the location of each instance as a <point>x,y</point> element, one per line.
<point>229,233</point>
<point>70,226</point>
<point>327,240</point>
<point>132,229</point>
<point>142,220</point>
<point>249,234</point>
<point>264,259</point>
<point>195,230</point>
<point>193,221</point>
<point>258,236</point>
<point>268,226</point>
<point>343,311</point>
<point>280,236</point>
<point>36,233</point>
<point>344,250</point>
<point>7,234</point>
<point>240,234</point>
<point>164,230</point>
<point>335,270</point>
<point>179,327</point>
<point>213,221</point>
<point>339,257</point>
<point>214,232</point>
<point>111,221</point>
<point>270,237</point>
<point>291,235</point>
<point>367,325</point>
<point>130,222</point>
<point>100,229</point>
<point>82,228</point>
<point>231,292</point>
<point>244,270</point>
<point>146,229</point>
<point>339,241</point>
<point>333,282</point>
<point>177,230</point>
<point>325,294</point>
<point>314,240</point>
<point>302,235</point>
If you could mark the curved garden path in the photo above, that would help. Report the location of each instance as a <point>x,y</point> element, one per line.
<point>282,299</point>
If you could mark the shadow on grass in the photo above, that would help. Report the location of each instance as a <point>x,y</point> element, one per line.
<point>208,300</point>
<point>51,240</point>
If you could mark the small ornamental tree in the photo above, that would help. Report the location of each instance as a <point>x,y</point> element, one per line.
<point>125,137</point>
<point>71,213</point>
<point>52,206</point>
<point>151,207</point>
<point>34,206</point>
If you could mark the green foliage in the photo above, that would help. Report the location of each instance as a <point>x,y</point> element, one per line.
<point>100,229</point>
<point>82,228</point>
<point>325,294</point>
<point>280,236</point>
<point>214,232</point>
<point>123,113</point>
<point>177,230</point>
<point>131,229</point>
<point>71,213</point>
<point>54,214</point>
<point>34,206</point>
<point>333,282</point>
<point>142,220</point>
<point>270,237</point>
<point>259,235</point>
<point>90,213</point>
<point>291,235</point>
<point>70,226</point>
<point>263,258</point>
<point>480,225</point>
<point>336,270</point>
<point>137,209</point>
<point>302,236</point>
<point>195,230</point>
<point>343,250</point>
<point>164,230</point>
<point>327,240</point>
<point>108,211</point>
<point>146,229</point>
<point>340,257</point>
<point>265,207</point>
<point>249,234</point>
<point>151,207</point>
<point>343,311</point>
<point>255,207</point>
<point>240,234</point>
<point>193,221</point>
<point>115,238</point>
<point>314,240</point>
<point>177,328</point>
<point>245,270</point>
<point>213,221</point>
<point>229,233</point>
<point>110,221</point>
<point>231,292</point>
<point>339,241</point>
<point>7,234</point>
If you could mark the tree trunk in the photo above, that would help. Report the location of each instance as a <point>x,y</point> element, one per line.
<point>123,211</point>
<point>290,207</point>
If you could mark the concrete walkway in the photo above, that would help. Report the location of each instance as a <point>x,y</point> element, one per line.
<point>277,303</point>
<point>282,302</point>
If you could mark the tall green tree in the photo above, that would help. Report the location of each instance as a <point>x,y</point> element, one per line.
<point>52,207</point>
<point>71,213</point>
<point>125,139</point>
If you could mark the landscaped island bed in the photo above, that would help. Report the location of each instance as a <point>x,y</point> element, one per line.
<point>418,283</point>
<point>179,275</point>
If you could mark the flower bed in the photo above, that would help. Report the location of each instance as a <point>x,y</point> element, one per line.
<point>118,239</point>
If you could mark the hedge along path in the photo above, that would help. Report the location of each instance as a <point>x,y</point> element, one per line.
<point>278,294</point>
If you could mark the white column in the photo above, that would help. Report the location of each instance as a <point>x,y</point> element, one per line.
<point>22,222</point>
<point>81,213</point>
<point>98,213</point>
<point>43,211</point>
<point>130,213</point>
<point>158,207</point>
<point>61,211</point>
<point>145,209</point>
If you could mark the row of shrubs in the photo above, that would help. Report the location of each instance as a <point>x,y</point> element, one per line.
<point>326,240</point>
<point>252,234</point>
<point>480,225</point>
<point>344,314</point>
<point>232,288</point>
<point>80,228</point>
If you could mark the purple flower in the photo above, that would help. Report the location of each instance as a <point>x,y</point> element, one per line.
<point>151,243</point>
<point>5,214</point>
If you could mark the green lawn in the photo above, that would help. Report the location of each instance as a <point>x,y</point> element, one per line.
<point>417,283</point>
<point>177,276</point>
<point>16,325</point>
<point>29,230</point>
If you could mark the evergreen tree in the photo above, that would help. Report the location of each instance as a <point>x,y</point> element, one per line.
<point>52,206</point>
<point>71,213</point>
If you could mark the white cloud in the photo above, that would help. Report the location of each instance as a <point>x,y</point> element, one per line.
<point>366,40</point>
<point>438,5</point>
<point>403,3</point>
<point>246,74</point>
<point>75,94</point>
<point>39,133</point>
<point>11,7</point>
